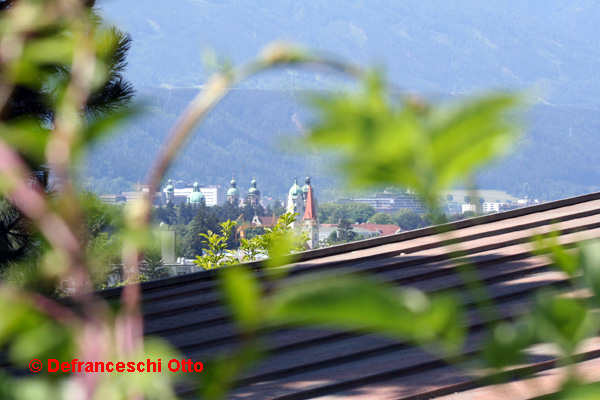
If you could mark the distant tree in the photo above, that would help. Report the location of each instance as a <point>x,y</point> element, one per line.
<point>468,199</point>
<point>185,213</point>
<point>166,214</point>
<point>260,210</point>
<point>278,209</point>
<point>382,218</point>
<point>345,232</point>
<point>481,200</point>
<point>359,212</point>
<point>204,220</point>
<point>410,220</point>
<point>449,197</point>
<point>226,212</point>
<point>153,266</point>
<point>327,212</point>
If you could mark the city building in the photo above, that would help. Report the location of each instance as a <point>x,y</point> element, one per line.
<point>181,192</point>
<point>391,202</point>
<point>469,207</point>
<point>491,207</point>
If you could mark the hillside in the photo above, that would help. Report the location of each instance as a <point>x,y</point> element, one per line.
<point>437,47</point>
<point>434,46</point>
<point>247,134</point>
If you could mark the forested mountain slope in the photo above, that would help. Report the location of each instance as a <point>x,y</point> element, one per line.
<point>248,132</point>
<point>438,47</point>
<point>433,46</point>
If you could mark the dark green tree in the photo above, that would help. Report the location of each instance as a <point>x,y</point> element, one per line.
<point>204,220</point>
<point>410,220</point>
<point>166,214</point>
<point>153,266</point>
<point>185,213</point>
<point>278,209</point>
<point>381,218</point>
<point>32,103</point>
<point>345,233</point>
<point>226,212</point>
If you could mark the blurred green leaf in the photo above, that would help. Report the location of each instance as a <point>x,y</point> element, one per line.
<point>218,376</point>
<point>563,321</point>
<point>107,124</point>
<point>568,261</point>
<point>363,304</point>
<point>506,343</point>
<point>410,144</point>
<point>573,390</point>
<point>590,265</point>
<point>242,293</point>
<point>55,49</point>
<point>28,138</point>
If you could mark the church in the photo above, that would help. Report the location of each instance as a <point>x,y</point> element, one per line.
<point>300,200</point>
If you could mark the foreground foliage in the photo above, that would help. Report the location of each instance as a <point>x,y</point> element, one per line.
<point>277,241</point>
<point>408,142</point>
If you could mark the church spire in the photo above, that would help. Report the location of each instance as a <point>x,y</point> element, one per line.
<point>309,212</point>
<point>311,224</point>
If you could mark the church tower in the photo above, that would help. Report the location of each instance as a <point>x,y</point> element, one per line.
<point>170,192</point>
<point>310,221</point>
<point>305,189</point>
<point>253,194</point>
<point>295,201</point>
<point>233,194</point>
<point>196,197</point>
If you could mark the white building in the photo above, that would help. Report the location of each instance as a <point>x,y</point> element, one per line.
<point>213,195</point>
<point>491,207</point>
<point>469,207</point>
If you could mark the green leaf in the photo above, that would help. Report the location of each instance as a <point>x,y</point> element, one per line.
<point>506,343</point>
<point>370,306</point>
<point>242,294</point>
<point>590,265</point>
<point>219,375</point>
<point>573,390</point>
<point>410,144</point>
<point>563,321</point>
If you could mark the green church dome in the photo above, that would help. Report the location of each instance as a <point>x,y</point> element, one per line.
<point>233,190</point>
<point>295,190</point>
<point>196,197</point>
<point>170,187</point>
<point>253,189</point>
<point>307,184</point>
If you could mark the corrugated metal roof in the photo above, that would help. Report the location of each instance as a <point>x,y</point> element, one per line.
<point>318,363</point>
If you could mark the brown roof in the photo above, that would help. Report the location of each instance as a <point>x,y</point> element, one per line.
<point>314,362</point>
<point>268,221</point>
<point>384,230</point>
